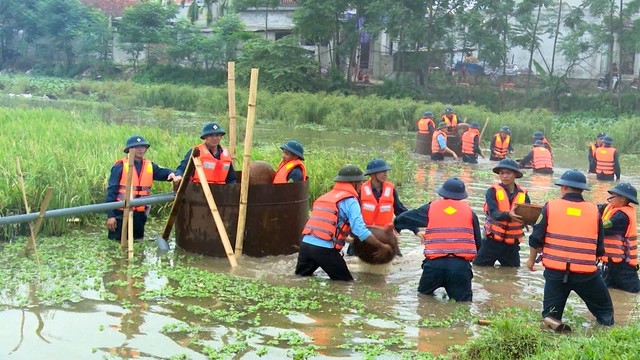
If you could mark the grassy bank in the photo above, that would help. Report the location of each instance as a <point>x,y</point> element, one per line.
<point>73,152</point>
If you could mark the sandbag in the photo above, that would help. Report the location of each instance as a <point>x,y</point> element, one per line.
<point>261,172</point>
<point>366,251</point>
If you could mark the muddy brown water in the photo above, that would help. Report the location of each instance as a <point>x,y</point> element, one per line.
<point>98,329</point>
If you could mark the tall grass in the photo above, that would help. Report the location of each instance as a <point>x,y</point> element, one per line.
<point>73,152</point>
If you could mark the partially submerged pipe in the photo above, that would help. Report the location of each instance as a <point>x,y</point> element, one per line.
<point>87,209</point>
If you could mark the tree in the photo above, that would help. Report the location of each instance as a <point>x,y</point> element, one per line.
<point>144,25</point>
<point>283,64</point>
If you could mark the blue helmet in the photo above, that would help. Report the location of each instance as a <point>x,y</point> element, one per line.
<point>135,140</point>
<point>376,165</point>
<point>448,110</point>
<point>607,140</point>
<point>508,164</point>
<point>427,114</point>
<point>474,125</point>
<point>538,143</point>
<point>211,128</point>
<point>573,178</point>
<point>625,190</point>
<point>453,188</point>
<point>505,129</point>
<point>294,147</point>
<point>538,135</point>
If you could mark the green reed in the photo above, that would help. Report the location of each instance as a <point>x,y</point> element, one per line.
<point>73,152</point>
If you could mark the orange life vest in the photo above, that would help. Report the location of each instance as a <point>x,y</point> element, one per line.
<point>285,168</point>
<point>140,184</point>
<point>450,119</point>
<point>323,221</point>
<point>510,232</point>
<point>605,160</point>
<point>542,158</point>
<point>214,170</point>
<point>546,144</point>
<point>572,236</point>
<point>468,139</point>
<point>423,125</point>
<point>435,147</point>
<point>450,230</point>
<point>620,248</point>
<point>377,212</point>
<point>500,146</point>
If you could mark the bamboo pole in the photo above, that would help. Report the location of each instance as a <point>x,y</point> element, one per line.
<point>127,197</point>
<point>231,88</point>
<point>43,209</point>
<point>31,244</point>
<point>480,141</point>
<point>246,158</point>
<point>177,201</point>
<point>215,213</point>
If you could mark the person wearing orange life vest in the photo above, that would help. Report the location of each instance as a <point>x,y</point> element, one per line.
<point>540,159</point>
<point>216,160</point>
<point>539,135</point>
<point>451,239</point>
<point>144,173</point>
<point>426,124</point>
<point>334,216</point>
<point>570,235</point>
<point>591,152</point>
<point>620,261</point>
<point>503,228</point>
<point>439,144</point>
<point>379,200</point>
<point>449,117</point>
<point>291,167</point>
<point>471,144</point>
<point>501,145</point>
<point>606,161</point>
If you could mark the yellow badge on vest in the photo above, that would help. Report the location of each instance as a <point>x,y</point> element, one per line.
<point>150,169</point>
<point>574,212</point>
<point>500,195</point>
<point>450,210</point>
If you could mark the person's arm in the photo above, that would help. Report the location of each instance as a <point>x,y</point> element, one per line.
<point>536,239</point>
<point>162,174</point>
<point>183,164</point>
<point>399,208</point>
<point>492,206</point>
<point>476,146</point>
<point>600,243</point>
<point>432,128</point>
<point>295,175</point>
<point>616,166</point>
<point>527,159</point>
<point>231,176</point>
<point>493,144</point>
<point>443,145</point>
<point>412,219</point>
<point>477,233</point>
<point>527,199</point>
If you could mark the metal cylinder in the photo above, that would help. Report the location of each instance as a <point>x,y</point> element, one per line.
<point>276,215</point>
<point>87,209</point>
<point>423,144</point>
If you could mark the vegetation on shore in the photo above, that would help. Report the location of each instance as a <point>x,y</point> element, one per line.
<point>77,266</point>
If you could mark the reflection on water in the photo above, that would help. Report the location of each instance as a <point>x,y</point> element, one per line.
<point>130,328</point>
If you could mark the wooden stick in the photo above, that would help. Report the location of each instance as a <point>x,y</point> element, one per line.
<point>215,213</point>
<point>246,158</point>
<point>177,201</point>
<point>43,209</point>
<point>127,197</point>
<point>482,132</point>
<point>231,88</point>
<point>31,244</point>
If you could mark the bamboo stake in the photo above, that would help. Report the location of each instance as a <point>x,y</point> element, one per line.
<point>231,88</point>
<point>482,132</point>
<point>177,201</point>
<point>215,213</point>
<point>127,198</point>
<point>246,157</point>
<point>32,237</point>
<point>43,209</point>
